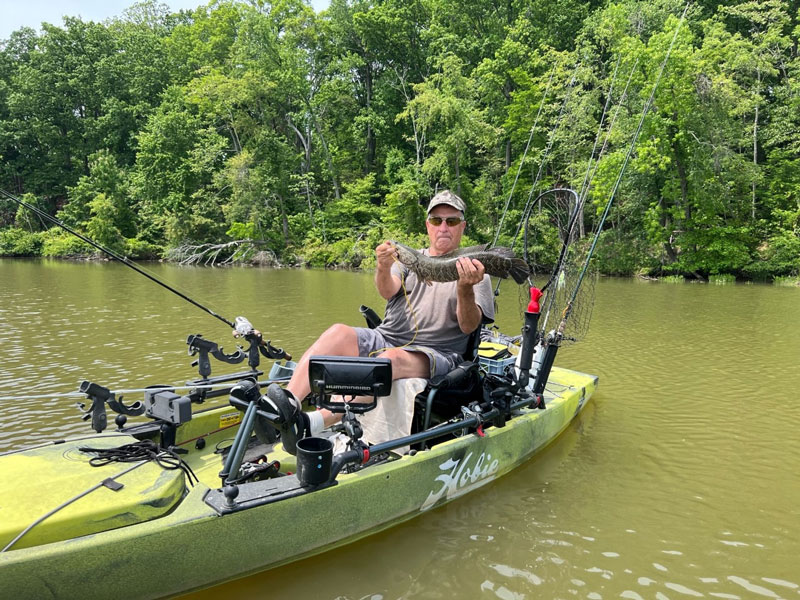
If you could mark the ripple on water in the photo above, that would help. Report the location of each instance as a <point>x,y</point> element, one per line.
<point>752,587</point>
<point>666,488</point>
<point>682,589</point>
<point>512,572</point>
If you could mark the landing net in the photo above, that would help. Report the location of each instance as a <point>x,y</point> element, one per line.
<point>556,250</point>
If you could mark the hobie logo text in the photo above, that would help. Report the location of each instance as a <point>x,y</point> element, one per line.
<point>460,477</point>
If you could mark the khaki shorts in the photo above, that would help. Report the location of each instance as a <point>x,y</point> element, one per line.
<point>371,343</point>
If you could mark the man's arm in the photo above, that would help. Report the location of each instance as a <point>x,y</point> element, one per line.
<point>468,313</point>
<point>388,285</point>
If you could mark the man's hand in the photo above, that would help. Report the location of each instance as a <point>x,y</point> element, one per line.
<point>470,271</point>
<point>385,254</point>
<point>468,313</point>
<point>388,285</point>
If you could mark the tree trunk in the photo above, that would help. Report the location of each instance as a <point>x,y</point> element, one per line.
<point>284,220</point>
<point>305,140</point>
<point>371,142</point>
<point>755,147</point>
<point>458,175</point>
<point>681,167</point>
<point>328,158</point>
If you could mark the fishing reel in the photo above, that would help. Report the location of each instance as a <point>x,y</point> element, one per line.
<point>246,330</point>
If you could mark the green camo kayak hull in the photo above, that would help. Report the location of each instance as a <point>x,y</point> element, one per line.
<point>191,544</point>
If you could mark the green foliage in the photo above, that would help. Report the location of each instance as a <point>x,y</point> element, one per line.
<point>716,250</point>
<point>65,245</point>
<point>407,193</point>
<point>241,231</point>
<point>18,242</point>
<point>136,248</point>
<point>27,219</point>
<point>780,256</point>
<point>617,254</point>
<point>105,189</point>
<point>101,227</point>
<point>355,210</point>
<point>787,281</point>
<point>320,135</point>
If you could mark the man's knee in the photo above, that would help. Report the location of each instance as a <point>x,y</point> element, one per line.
<point>339,337</point>
<point>339,331</point>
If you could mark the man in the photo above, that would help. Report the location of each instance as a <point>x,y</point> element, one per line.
<point>427,342</point>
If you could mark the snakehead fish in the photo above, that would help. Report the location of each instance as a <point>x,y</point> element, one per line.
<point>498,262</point>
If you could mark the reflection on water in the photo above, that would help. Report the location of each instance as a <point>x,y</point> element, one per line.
<point>679,480</point>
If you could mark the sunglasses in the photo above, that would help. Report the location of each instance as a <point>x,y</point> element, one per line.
<point>451,221</point>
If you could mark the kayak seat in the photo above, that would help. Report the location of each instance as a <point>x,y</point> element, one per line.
<point>443,396</point>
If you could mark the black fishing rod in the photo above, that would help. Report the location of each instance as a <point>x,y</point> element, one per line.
<point>123,259</point>
<point>524,154</point>
<point>588,177</point>
<point>559,122</point>
<point>648,105</point>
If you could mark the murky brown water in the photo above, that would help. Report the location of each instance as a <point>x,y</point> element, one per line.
<point>681,478</point>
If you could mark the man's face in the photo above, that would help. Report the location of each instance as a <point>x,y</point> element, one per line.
<point>443,237</point>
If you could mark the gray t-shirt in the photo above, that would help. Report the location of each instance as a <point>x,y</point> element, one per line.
<point>434,307</point>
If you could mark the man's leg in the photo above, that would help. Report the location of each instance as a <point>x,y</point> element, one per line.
<point>404,364</point>
<point>342,340</point>
<point>407,364</point>
<point>337,340</point>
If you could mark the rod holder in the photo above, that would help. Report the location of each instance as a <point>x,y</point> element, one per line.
<point>530,336</point>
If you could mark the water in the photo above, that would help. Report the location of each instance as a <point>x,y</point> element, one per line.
<point>680,479</point>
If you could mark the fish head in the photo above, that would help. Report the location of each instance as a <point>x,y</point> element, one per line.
<point>408,256</point>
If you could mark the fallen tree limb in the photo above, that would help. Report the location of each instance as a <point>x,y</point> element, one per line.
<point>228,253</point>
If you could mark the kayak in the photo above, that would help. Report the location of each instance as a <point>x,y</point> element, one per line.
<point>77,523</point>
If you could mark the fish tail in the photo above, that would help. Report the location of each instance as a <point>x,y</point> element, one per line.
<point>519,270</point>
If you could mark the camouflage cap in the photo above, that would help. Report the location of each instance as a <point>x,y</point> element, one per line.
<point>449,198</point>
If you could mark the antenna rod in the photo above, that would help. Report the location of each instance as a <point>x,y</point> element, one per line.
<point>123,259</point>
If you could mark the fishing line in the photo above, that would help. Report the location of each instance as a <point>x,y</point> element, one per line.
<point>210,386</point>
<point>585,183</point>
<point>124,260</point>
<point>646,109</point>
<point>548,147</point>
<point>591,170</point>
<point>413,316</point>
<point>522,160</point>
<point>559,122</point>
